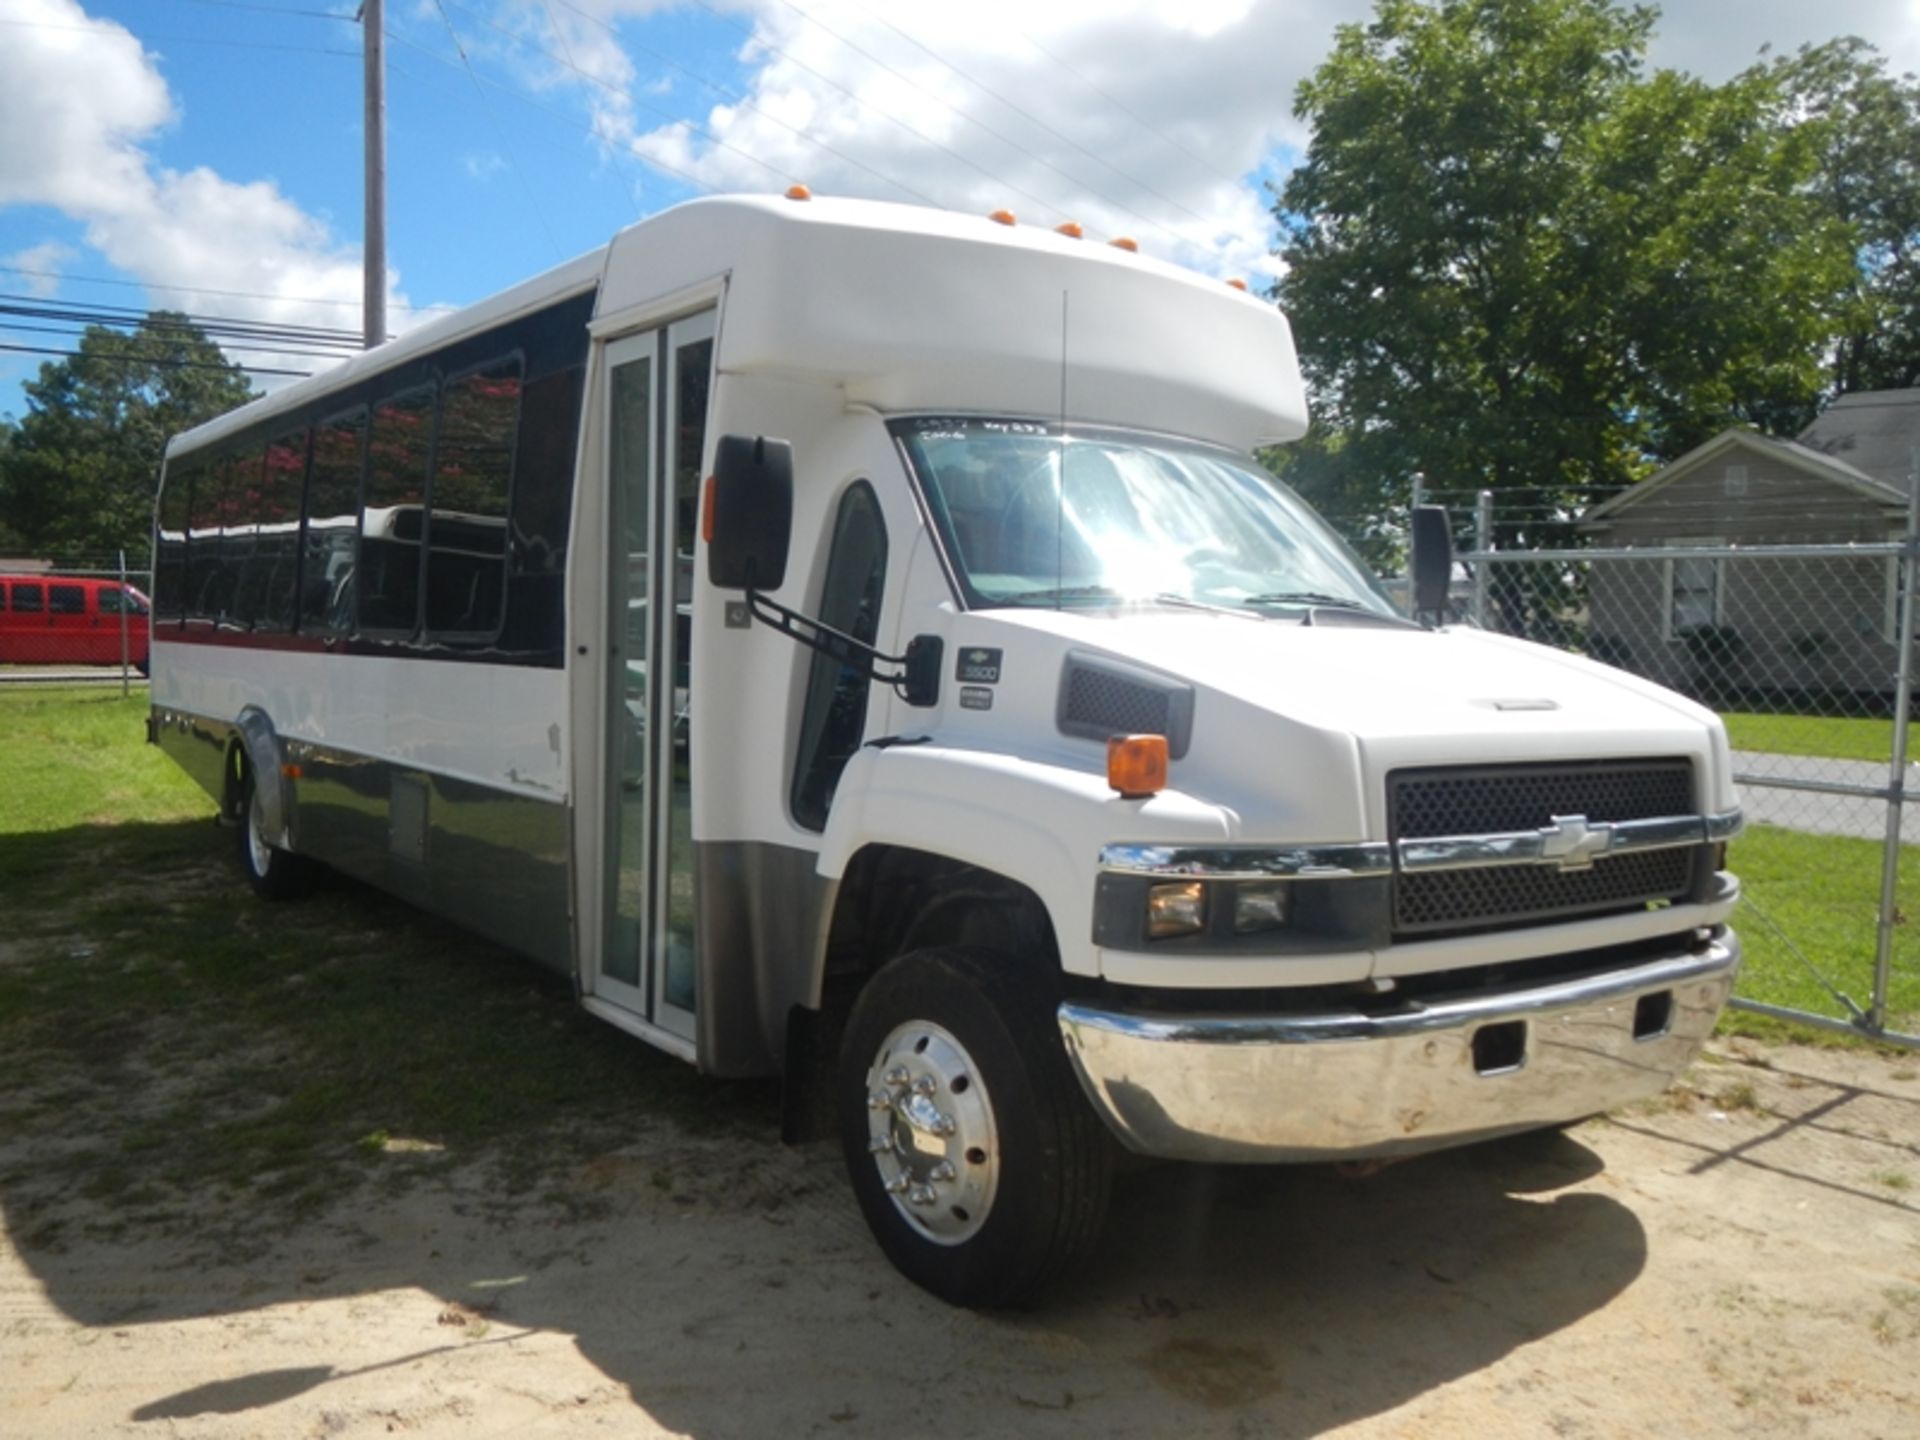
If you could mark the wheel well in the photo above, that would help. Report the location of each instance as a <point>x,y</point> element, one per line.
<point>234,788</point>
<point>893,900</point>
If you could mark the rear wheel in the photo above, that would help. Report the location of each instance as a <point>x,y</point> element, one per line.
<point>976,1160</point>
<point>273,873</point>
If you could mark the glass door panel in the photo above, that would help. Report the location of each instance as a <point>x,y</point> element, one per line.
<point>631,404</point>
<point>689,371</point>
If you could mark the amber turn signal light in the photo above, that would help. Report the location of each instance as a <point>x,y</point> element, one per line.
<point>1137,765</point>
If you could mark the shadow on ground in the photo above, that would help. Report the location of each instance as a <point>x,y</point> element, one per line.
<point>556,1177</point>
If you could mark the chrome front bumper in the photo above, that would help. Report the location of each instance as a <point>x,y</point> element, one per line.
<point>1348,1086</point>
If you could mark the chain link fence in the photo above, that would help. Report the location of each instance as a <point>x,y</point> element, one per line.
<point>1806,652</point>
<point>73,619</point>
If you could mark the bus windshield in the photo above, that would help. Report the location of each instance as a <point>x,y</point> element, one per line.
<point>1034,515</point>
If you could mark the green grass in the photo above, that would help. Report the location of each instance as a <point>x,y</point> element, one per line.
<point>1834,737</point>
<point>1822,893</point>
<point>176,1054</point>
<point>74,757</point>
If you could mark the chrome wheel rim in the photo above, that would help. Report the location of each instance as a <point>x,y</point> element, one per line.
<point>930,1132</point>
<point>258,851</point>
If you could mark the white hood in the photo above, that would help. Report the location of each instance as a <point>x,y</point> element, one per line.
<point>1387,696</point>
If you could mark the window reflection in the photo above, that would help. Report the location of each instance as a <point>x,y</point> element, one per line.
<point>392,516</point>
<point>472,479</point>
<point>1032,516</point>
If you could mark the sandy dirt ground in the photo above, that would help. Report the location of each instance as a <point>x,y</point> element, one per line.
<point>1741,1258</point>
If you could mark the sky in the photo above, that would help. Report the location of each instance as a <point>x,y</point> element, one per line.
<point>205,155</point>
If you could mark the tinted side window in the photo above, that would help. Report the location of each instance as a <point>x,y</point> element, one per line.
<point>239,532</point>
<point>67,599</point>
<point>542,509</point>
<point>170,544</point>
<point>276,554</point>
<point>393,511</point>
<point>835,714</point>
<point>203,540</point>
<point>472,480</point>
<point>28,599</point>
<point>333,510</point>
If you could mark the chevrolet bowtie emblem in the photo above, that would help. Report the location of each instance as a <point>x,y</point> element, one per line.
<point>1573,843</point>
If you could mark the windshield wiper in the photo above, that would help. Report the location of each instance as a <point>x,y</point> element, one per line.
<point>1304,597</point>
<point>1350,612</point>
<point>1060,592</point>
<point>1107,592</point>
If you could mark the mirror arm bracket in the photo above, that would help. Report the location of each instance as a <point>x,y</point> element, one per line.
<point>915,676</point>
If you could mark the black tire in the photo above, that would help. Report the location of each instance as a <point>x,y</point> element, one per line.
<point>274,874</point>
<point>1052,1156</point>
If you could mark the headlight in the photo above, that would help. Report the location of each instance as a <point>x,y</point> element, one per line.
<point>1175,910</point>
<point>1259,907</point>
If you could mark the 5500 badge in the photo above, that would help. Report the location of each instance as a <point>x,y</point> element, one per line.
<point>977,665</point>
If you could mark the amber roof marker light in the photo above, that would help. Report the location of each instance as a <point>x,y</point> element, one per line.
<point>1126,243</point>
<point>1003,217</point>
<point>799,192</point>
<point>1072,229</point>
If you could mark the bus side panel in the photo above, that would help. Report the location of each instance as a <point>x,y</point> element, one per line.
<point>197,745</point>
<point>490,860</point>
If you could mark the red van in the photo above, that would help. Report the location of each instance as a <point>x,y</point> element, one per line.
<point>59,620</point>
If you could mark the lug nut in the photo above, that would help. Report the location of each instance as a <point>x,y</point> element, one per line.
<point>879,1100</point>
<point>942,1172</point>
<point>924,1085</point>
<point>921,1195</point>
<point>898,1185</point>
<point>879,1145</point>
<point>896,1077</point>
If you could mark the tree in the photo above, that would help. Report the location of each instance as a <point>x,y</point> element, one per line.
<point>1519,261</point>
<point>1865,127</point>
<point>79,470</point>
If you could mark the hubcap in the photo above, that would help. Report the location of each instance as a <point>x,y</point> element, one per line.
<point>258,850</point>
<point>930,1131</point>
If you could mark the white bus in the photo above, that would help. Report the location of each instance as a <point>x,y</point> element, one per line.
<point>989,747</point>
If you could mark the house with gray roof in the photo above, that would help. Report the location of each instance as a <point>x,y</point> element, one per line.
<point>1720,626</point>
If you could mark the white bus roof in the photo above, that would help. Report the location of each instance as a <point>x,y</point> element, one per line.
<point>911,309</point>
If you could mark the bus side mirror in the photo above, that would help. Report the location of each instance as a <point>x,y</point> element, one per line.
<point>751,519</point>
<point>1432,560</point>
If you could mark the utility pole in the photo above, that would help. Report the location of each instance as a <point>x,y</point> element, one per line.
<point>373,42</point>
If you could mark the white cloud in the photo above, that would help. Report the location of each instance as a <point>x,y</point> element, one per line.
<point>38,267</point>
<point>80,100</point>
<point>1140,117</point>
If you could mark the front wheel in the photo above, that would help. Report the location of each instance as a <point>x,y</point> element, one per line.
<point>976,1160</point>
<point>273,873</point>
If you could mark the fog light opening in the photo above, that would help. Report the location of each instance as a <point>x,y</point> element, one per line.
<point>1653,1015</point>
<point>1500,1049</point>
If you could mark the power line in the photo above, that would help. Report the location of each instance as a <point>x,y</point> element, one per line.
<point>271,9</point>
<point>572,121</point>
<point>95,31</point>
<point>204,290</point>
<point>159,364</point>
<point>982,125</point>
<point>499,134</point>
<point>1032,119</point>
<point>37,309</point>
<point>16,328</point>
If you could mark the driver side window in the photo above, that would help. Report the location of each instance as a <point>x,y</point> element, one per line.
<point>833,718</point>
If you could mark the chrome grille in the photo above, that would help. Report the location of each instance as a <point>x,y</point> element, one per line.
<point>1487,800</point>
